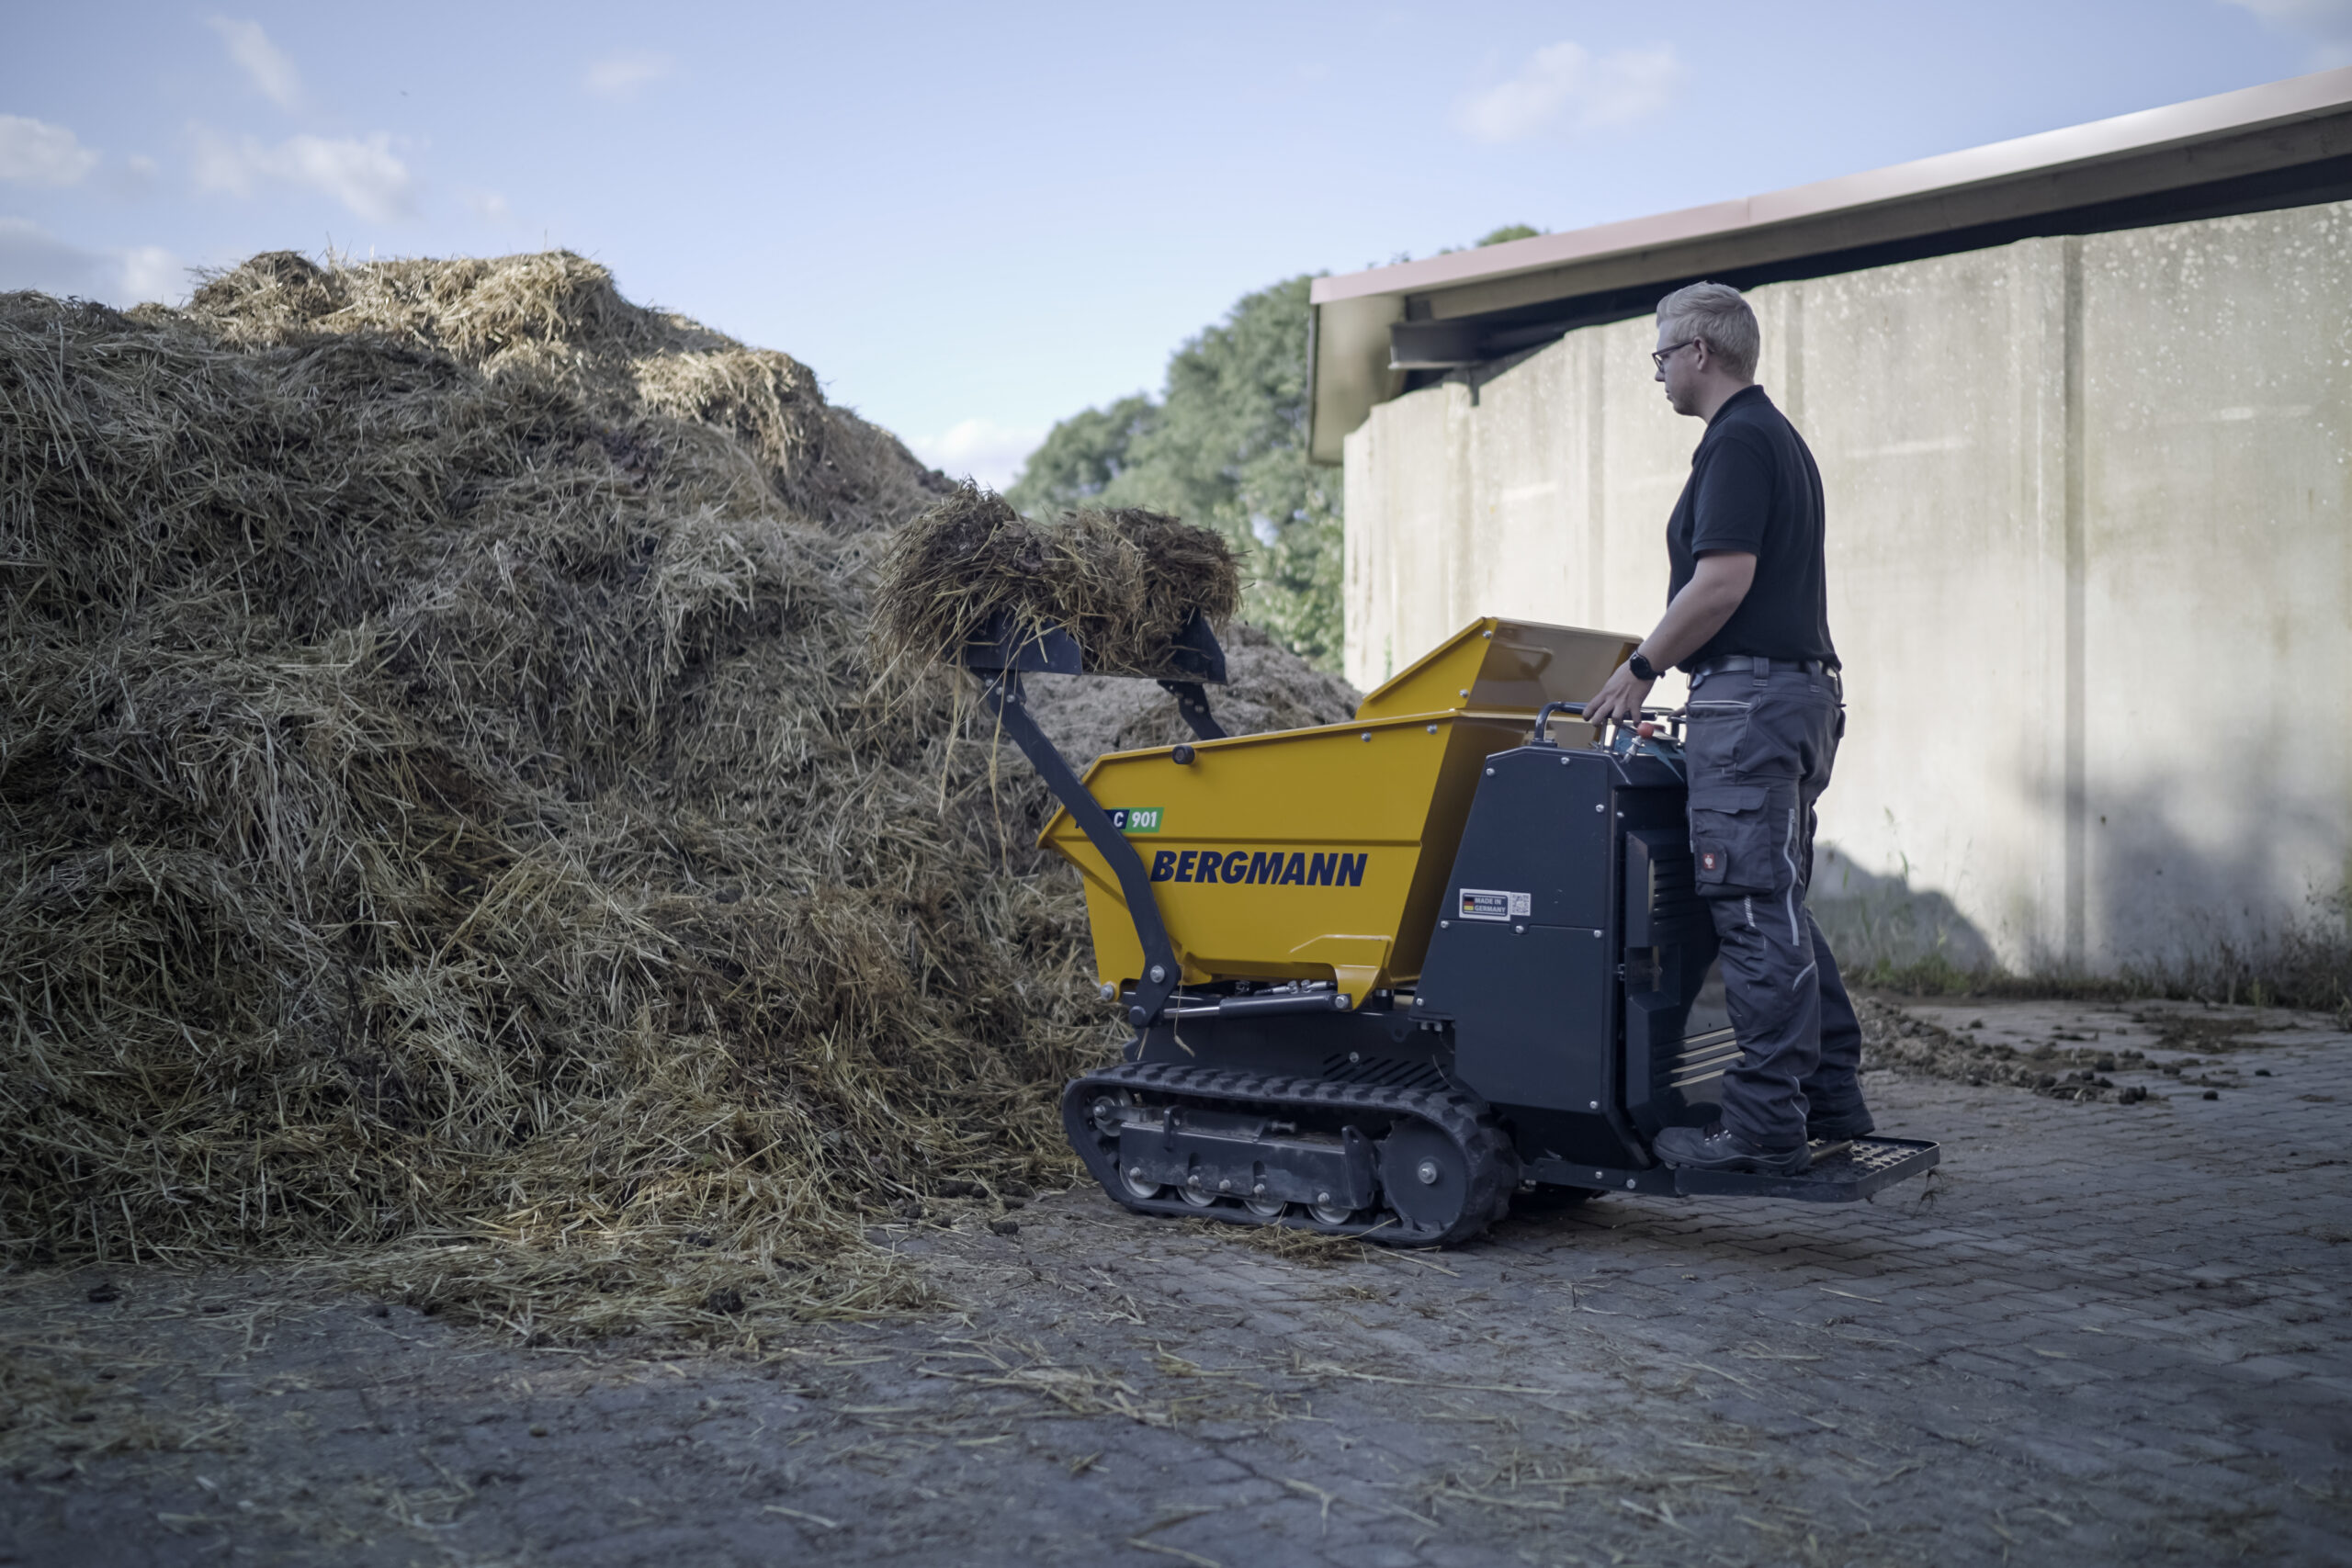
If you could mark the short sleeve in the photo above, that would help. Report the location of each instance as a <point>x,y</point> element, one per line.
<point>1734,501</point>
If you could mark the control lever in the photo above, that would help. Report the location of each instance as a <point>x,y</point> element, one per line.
<point>1647,728</point>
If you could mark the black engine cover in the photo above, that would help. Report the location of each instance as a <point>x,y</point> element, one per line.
<point>1568,961</point>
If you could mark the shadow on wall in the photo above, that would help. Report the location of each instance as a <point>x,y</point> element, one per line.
<point>2211,922</point>
<point>1883,923</point>
<point>2260,914</point>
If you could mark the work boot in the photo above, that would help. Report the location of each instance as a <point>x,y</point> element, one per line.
<point>1720,1148</point>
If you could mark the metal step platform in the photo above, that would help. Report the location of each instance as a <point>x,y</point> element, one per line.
<point>1843,1172</point>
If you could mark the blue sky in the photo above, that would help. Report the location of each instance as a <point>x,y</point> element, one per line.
<point>973,220</point>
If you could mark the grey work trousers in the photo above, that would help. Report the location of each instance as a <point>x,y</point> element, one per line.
<point>1760,746</point>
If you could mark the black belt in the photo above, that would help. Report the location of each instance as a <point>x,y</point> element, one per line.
<point>1727,663</point>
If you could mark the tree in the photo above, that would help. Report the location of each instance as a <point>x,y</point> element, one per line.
<point>1225,445</point>
<point>1082,454</point>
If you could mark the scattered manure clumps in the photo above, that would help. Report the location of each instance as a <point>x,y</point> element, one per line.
<point>455,826</point>
<point>1892,1037</point>
<point>1122,582</point>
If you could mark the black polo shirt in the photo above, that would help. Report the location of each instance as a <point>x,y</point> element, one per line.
<point>1754,490</point>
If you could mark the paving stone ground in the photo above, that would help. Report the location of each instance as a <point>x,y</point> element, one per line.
<point>2101,1334</point>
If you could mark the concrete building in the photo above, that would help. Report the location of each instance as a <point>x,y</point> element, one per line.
<point>2083,405</point>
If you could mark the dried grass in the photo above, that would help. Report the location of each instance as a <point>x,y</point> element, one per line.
<point>454,820</point>
<point>58,1408</point>
<point>1123,582</point>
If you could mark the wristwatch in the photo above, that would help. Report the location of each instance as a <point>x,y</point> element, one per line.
<point>1642,668</point>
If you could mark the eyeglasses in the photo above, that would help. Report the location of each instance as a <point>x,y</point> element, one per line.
<point>1663,354</point>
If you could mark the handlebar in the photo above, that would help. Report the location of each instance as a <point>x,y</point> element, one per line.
<point>1543,735</point>
<point>1544,720</point>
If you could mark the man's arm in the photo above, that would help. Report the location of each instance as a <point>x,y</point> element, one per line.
<point>1717,587</point>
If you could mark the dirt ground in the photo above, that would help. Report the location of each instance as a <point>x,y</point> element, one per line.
<point>2111,1328</point>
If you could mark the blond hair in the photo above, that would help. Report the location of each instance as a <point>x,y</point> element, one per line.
<point>1715,313</point>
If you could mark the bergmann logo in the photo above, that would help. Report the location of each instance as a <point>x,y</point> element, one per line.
<point>1280,868</point>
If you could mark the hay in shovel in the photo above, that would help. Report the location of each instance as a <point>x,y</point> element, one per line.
<point>1123,582</point>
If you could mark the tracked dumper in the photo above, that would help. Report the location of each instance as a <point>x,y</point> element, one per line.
<point>1386,975</point>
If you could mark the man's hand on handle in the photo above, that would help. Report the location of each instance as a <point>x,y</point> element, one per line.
<point>1622,698</point>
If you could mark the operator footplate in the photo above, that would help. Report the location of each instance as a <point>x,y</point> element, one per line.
<point>1844,1172</point>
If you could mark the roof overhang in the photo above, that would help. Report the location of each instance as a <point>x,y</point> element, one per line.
<point>2283,144</point>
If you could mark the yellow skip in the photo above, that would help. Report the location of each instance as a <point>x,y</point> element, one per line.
<point>1323,854</point>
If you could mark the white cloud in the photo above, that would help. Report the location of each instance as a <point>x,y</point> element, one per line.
<point>1567,82</point>
<point>35,154</point>
<point>150,272</point>
<point>365,176</point>
<point>265,65</point>
<point>989,452</point>
<point>490,207</point>
<point>31,258</point>
<point>621,77</point>
<point>2328,24</point>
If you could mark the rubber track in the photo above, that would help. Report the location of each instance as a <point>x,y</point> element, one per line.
<point>1488,1154</point>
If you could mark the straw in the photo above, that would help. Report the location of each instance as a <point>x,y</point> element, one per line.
<point>456,825</point>
<point>1123,582</point>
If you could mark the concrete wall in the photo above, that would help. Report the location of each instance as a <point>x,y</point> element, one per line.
<point>2089,572</point>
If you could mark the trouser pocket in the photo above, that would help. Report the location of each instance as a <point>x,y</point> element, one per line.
<point>1736,845</point>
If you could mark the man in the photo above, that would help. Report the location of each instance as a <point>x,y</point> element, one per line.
<point>1747,617</point>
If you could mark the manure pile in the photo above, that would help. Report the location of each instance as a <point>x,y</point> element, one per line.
<point>457,823</point>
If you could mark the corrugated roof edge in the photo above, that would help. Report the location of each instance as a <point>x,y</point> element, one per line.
<point>2249,109</point>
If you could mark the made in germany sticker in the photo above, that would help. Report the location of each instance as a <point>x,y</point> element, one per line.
<point>1487,904</point>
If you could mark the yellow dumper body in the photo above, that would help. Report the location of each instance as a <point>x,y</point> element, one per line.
<point>1323,854</point>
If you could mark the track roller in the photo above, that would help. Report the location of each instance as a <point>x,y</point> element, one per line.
<point>1399,1166</point>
